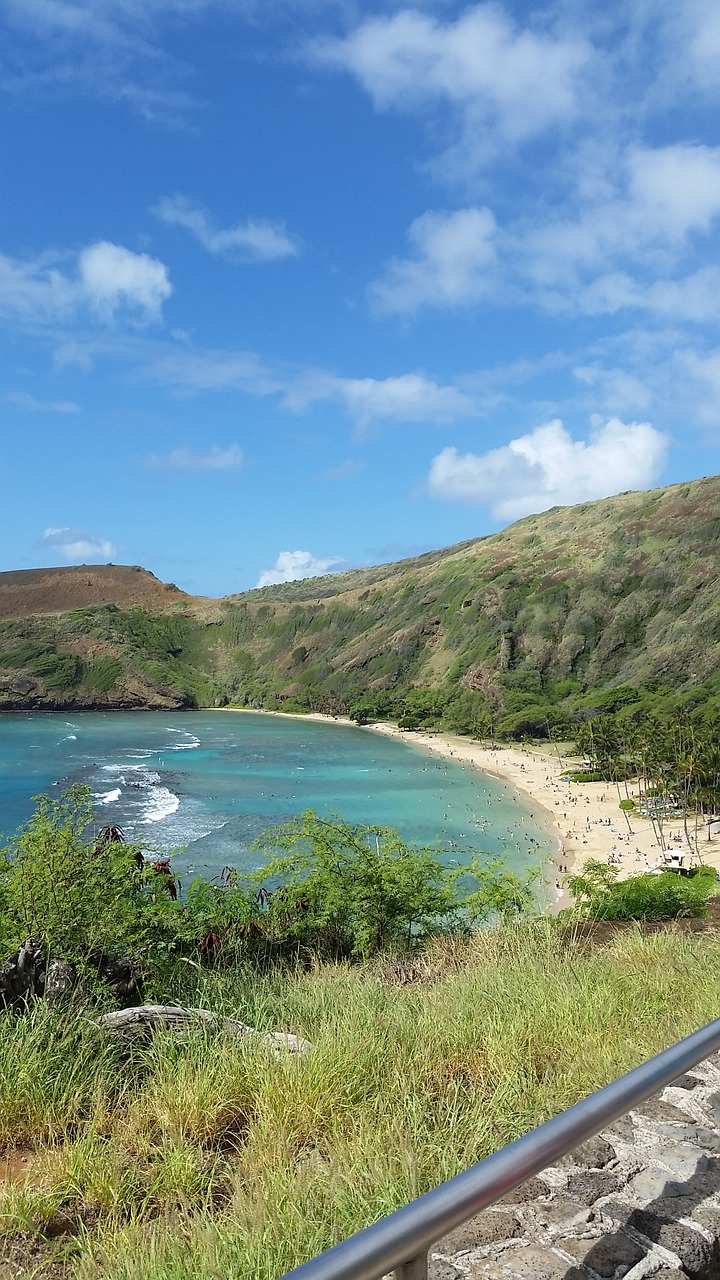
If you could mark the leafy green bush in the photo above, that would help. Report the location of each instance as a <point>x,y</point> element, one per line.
<point>600,895</point>
<point>58,890</point>
<point>353,890</point>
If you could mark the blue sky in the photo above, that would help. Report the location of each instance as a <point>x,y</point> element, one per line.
<point>303,285</point>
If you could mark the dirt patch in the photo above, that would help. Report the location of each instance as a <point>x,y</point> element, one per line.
<point>26,1255</point>
<point>28,592</point>
<point>599,933</point>
<point>16,1166</point>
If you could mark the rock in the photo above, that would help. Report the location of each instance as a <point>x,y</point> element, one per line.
<point>656,1109</point>
<point>595,1153</point>
<point>695,1252</point>
<point>527,1262</point>
<point>526,1191</point>
<point>713,1104</point>
<point>488,1227</point>
<point>60,981</point>
<point>559,1214</point>
<point>138,1024</point>
<point>605,1254</point>
<point>21,973</point>
<point>698,1134</point>
<point>653,1184</point>
<point>588,1187</point>
<point>686,1081</point>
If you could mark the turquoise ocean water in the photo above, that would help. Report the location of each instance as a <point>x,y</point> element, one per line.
<point>211,782</point>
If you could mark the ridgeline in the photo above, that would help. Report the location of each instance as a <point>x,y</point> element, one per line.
<point>580,609</point>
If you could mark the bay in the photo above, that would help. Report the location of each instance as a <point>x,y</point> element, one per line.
<point>206,784</point>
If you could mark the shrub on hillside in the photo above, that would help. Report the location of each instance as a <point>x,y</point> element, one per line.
<point>77,901</point>
<point>600,895</point>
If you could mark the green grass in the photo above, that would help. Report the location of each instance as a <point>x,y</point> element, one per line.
<point>210,1157</point>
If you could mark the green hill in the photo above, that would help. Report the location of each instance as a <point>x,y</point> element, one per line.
<point>580,608</point>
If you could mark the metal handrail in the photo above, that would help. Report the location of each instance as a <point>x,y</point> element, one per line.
<point>400,1242</point>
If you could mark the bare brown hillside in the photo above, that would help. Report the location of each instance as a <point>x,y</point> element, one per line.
<point>29,592</point>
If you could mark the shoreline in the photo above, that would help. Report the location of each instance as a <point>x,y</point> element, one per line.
<point>584,819</point>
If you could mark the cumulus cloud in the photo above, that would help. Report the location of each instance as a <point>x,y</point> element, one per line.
<point>77,545</point>
<point>184,459</point>
<point>112,276</point>
<point>31,404</point>
<point>547,468</point>
<point>452,257</point>
<point>500,83</point>
<point>637,216</point>
<point>291,565</point>
<point>108,279</point>
<point>649,201</point>
<point>254,240</point>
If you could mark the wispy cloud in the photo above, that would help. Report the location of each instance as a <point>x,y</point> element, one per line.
<point>451,264</point>
<point>78,545</point>
<point>292,565</point>
<point>31,404</point>
<point>408,397</point>
<point>230,458</point>
<point>344,470</point>
<point>254,240</point>
<point>111,50</point>
<point>500,83</point>
<point>547,468</point>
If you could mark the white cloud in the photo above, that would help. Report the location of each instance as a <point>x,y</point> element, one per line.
<point>255,240</point>
<point>548,468</point>
<point>291,565</point>
<point>406,397</point>
<point>692,297</point>
<point>654,199</point>
<point>214,459</point>
<point>615,389</point>
<point>112,276</point>
<point>453,256</point>
<point>31,404</point>
<point>218,371</point>
<point>409,397</point>
<point>500,83</point>
<point>704,370</point>
<point>640,213</point>
<point>77,545</point>
<point>108,279</point>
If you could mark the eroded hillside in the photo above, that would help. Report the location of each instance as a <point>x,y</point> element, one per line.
<point>527,627</point>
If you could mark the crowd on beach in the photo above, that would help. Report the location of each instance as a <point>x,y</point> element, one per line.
<point>585,818</point>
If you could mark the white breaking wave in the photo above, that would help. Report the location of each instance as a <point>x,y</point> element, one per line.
<point>184,746</point>
<point>108,797</point>
<point>161,803</point>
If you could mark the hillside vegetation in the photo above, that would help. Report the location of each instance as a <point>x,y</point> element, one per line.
<point>576,610</point>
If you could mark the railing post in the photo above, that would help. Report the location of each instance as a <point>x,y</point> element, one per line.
<point>413,1269</point>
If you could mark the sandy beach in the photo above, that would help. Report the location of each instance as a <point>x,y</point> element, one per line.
<point>584,819</point>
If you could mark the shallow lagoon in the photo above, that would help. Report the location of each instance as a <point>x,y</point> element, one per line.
<point>211,782</point>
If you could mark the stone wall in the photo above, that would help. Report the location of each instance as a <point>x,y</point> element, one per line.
<point>643,1199</point>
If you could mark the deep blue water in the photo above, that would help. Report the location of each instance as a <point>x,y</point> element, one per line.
<point>211,782</point>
